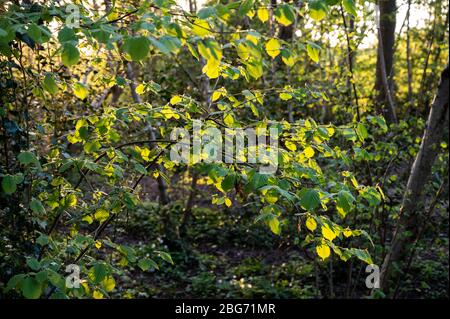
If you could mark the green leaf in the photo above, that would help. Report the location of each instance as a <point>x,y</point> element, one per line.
<point>33,263</point>
<point>31,288</point>
<point>282,192</point>
<point>101,36</point>
<point>245,7</point>
<point>309,199</point>
<point>37,207</point>
<point>350,7</point>
<point>9,184</point>
<point>164,256</point>
<point>228,182</point>
<point>15,282</point>
<point>42,240</point>
<point>372,196</point>
<point>8,33</point>
<point>362,255</point>
<point>344,202</point>
<point>137,47</point>
<point>98,272</point>
<point>146,263</point>
<point>206,12</point>
<point>70,54</point>
<point>49,84</point>
<point>258,180</point>
<point>362,132</point>
<point>92,146</point>
<point>66,35</point>
<point>35,33</point>
<point>161,47</point>
<point>56,279</point>
<point>27,158</point>
<point>41,276</point>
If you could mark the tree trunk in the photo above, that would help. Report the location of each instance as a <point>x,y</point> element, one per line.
<point>408,56</point>
<point>385,59</point>
<point>163,199</point>
<point>410,218</point>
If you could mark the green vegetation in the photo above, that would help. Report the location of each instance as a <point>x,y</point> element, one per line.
<point>93,92</point>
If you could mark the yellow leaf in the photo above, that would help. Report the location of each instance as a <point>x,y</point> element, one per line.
<point>323,251</point>
<point>71,200</point>
<point>228,202</point>
<point>228,119</point>
<point>243,51</point>
<point>88,219</point>
<point>273,48</point>
<point>176,99</point>
<point>140,89</point>
<point>98,244</point>
<point>289,61</point>
<point>101,214</point>
<point>255,69</point>
<point>211,69</point>
<point>309,152</point>
<point>263,14</point>
<point>109,283</point>
<point>97,295</point>
<point>212,51</point>
<point>330,131</point>
<point>201,28</point>
<point>217,94</point>
<point>347,232</point>
<point>252,38</point>
<point>290,146</point>
<point>317,14</point>
<point>145,152</point>
<point>80,90</point>
<point>311,224</point>
<point>251,14</point>
<point>354,182</point>
<point>285,96</point>
<point>85,285</point>
<point>313,52</point>
<point>327,233</point>
<point>282,19</point>
<point>274,225</point>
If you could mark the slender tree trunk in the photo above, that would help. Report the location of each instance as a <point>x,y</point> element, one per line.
<point>163,199</point>
<point>189,204</point>
<point>350,56</point>
<point>437,37</point>
<point>411,218</point>
<point>385,59</point>
<point>408,56</point>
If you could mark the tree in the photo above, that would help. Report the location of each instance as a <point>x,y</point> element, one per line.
<point>412,205</point>
<point>384,84</point>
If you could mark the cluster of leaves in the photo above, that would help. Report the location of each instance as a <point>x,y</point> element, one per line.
<point>94,141</point>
